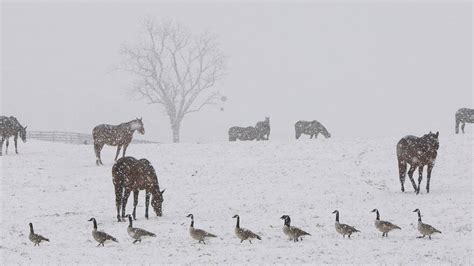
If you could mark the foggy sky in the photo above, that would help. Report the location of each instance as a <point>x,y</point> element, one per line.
<point>363,70</point>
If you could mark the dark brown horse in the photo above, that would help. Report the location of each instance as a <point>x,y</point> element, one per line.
<point>263,129</point>
<point>120,136</point>
<point>311,128</point>
<point>9,126</point>
<point>417,152</point>
<point>130,174</point>
<point>243,133</point>
<point>463,115</point>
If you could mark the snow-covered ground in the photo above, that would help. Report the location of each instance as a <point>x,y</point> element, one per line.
<point>58,188</point>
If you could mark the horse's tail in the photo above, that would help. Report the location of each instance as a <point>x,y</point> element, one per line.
<point>298,129</point>
<point>402,164</point>
<point>119,187</point>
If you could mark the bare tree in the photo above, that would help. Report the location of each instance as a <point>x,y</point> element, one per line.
<point>175,69</point>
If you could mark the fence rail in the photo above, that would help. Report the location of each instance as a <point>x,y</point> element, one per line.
<point>71,137</point>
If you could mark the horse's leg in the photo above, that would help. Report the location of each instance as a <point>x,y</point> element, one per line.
<point>311,136</point>
<point>1,145</point>
<point>16,143</point>
<point>457,125</point>
<point>462,126</point>
<point>126,194</point>
<point>124,149</point>
<point>428,177</point>
<point>6,147</point>
<point>118,151</point>
<point>410,175</point>
<point>97,148</point>
<point>402,170</point>
<point>147,202</point>
<point>420,177</point>
<point>118,199</point>
<point>316,135</point>
<point>135,203</point>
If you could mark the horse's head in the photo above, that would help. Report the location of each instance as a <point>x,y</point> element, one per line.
<point>22,133</point>
<point>432,139</point>
<point>157,201</point>
<point>326,133</point>
<point>146,170</point>
<point>267,119</point>
<point>138,125</point>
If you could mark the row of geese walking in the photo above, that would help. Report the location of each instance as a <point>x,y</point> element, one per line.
<point>292,232</point>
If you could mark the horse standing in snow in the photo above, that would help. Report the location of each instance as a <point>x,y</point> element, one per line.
<point>417,152</point>
<point>9,126</point>
<point>120,136</point>
<point>242,133</point>
<point>130,174</point>
<point>263,129</point>
<point>311,128</point>
<point>464,115</point>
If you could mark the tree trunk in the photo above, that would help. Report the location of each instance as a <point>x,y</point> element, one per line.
<point>175,128</point>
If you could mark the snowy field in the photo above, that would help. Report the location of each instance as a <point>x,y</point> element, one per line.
<point>58,188</point>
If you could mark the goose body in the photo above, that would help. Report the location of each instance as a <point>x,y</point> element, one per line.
<point>100,236</point>
<point>383,226</point>
<point>198,234</point>
<point>292,232</point>
<point>344,229</point>
<point>425,229</point>
<point>244,234</point>
<point>137,233</point>
<point>36,238</point>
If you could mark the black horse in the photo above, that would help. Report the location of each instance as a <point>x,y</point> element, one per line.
<point>311,128</point>
<point>242,133</point>
<point>130,174</point>
<point>263,129</point>
<point>417,152</point>
<point>119,136</point>
<point>464,115</point>
<point>9,126</point>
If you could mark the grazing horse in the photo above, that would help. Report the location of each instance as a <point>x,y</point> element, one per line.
<point>311,128</point>
<point>464,115</point>
<point>119,136</point>
<point>9,126</point>
<point>242,133</point>
<point>417,152</point>
<point>130,174</point>
<point>263,129</point>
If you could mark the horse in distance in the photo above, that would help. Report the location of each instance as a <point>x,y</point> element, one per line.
<point>311,128</point>
<point>130,174</point>
<point>9,126</point>
<point>242,133</point>
<point>417,152</point>
<point>263,129</point>
<point>115,135</point>
<point>463,116</point>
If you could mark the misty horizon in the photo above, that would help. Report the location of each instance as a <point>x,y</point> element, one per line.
<point>362,70</point>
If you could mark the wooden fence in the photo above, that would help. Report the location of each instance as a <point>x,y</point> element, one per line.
<point>70,137</point>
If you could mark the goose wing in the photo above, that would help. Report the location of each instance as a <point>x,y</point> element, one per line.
<point>298,232</point>
<point>250,234</point>
<point>106,236</point>
<point>42,238</point>
<point>203,233</point>
<point>388,225</point>
<point>348,228</point>
<point>143,232</point>
<point>431,228</point>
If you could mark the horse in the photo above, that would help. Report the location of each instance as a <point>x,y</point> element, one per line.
<point>130,174</point>
<point>9,126</point>
<point>242,133</point>
<point>464,115</point>
<point>311,128</point>
<point>120,136</point>
<point>417,152</point>
<point>263,129</point>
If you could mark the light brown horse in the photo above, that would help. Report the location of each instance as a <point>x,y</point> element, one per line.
<point>130,174</point>
<point>120,136</point>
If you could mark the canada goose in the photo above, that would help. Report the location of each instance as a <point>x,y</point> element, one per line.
<point>100,236</point>
<point>425,229</point>
<point>294,233</point>
<point>35,238</point>
<point>244,234</point>
<point>383,226</point>
<point>344,229</point>
<point>137,233</point>
<point>198,234</point>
